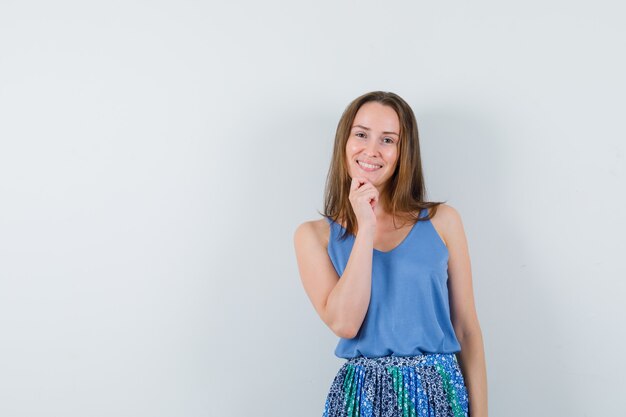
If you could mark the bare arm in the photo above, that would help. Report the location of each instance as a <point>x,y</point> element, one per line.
<point>463,313</point>
<point>340,302</point>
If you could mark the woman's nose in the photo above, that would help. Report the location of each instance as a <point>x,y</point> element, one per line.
<point>372,147</point>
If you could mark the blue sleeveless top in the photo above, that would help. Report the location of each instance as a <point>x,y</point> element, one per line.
<point>409,312</point>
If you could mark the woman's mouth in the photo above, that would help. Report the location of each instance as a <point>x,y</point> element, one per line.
<point>367,167</point>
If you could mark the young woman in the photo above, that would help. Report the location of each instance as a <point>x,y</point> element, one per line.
<point>389,274</point>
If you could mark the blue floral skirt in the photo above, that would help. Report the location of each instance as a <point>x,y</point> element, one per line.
<point>429,385</point>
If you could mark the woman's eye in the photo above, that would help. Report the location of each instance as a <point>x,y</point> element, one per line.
<point>360,134</point>
<point>389,139</point>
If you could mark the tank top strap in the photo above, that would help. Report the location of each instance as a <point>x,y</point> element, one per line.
<point>331,231</point>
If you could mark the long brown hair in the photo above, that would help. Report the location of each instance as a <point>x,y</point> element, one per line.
<point>405,190</point>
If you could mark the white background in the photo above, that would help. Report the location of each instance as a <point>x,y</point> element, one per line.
<point>157,156</point>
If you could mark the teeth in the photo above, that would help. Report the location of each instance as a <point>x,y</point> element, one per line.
<point>367,165</point>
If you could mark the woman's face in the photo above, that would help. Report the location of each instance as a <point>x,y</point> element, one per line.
<point>373,140</point>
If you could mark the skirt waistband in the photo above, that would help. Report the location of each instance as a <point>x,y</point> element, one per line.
<point>415,360</point>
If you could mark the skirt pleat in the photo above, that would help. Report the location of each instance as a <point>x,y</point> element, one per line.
<point>429,385</point>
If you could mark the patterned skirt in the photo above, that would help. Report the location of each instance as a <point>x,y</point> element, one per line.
<point>429,385</point>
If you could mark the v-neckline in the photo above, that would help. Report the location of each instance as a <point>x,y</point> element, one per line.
<point>406,237</point>
<point>402,242</point>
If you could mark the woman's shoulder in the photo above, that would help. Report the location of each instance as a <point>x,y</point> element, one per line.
<point>446,220</point>
<point>313,231</point>
<point>445,212</point>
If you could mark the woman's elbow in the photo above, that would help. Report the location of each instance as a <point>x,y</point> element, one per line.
<point>344,330</point>
<point>469,331</point>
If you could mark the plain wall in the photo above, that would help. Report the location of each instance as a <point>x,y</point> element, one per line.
<point>156,158</point>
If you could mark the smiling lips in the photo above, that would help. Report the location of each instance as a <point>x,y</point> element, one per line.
<point>368,167</point>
